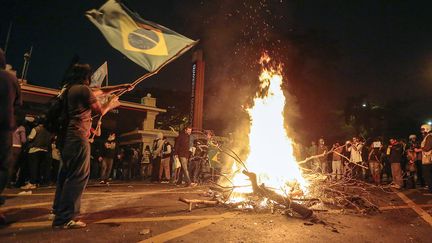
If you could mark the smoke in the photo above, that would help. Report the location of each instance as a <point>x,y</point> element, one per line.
<point>233,36</point>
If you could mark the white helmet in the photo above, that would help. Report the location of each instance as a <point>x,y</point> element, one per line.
<point>426,128</point>
<point>412,136</point>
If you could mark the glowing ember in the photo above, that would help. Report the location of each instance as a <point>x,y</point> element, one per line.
<point>271,151</point>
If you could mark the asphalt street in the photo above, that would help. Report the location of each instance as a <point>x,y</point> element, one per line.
<point>143,212</point>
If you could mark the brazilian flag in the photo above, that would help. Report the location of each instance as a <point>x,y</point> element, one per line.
<point>148,44</point>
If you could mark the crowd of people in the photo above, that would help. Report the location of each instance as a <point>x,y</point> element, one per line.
<point>189,161</point>
<point>402,163</point>
<point>186,161</point>
<point>35,158</point>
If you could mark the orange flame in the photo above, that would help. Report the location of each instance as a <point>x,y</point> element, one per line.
<point>271,150</point>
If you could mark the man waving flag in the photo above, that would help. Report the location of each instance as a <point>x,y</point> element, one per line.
<point>148,44</point>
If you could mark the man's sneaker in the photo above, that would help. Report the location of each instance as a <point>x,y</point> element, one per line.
<point>71,225</point>
<point>192,184</point>
<point>28,186</point>
<point>102,182</point>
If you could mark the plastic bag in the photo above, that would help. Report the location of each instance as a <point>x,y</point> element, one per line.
<point>177,163</point>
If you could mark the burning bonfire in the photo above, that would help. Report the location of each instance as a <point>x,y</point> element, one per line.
<point>271,150</point>
<point>271,171</point>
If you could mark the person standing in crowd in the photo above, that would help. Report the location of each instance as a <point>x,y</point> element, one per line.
<point>157,156</point>
<point>346,159</point>
<point>426,149</point>
<point>200,166</point>
<point>337,161</point>
<point>9,99</point>
<point>364,154</point>
<point>375,162</point>
<point>410,168</point>
<point>74,172</point>
<point>165,160</point>
<point>386,170</point>
<point>109,152</point>
<point>95,160</point>
<point>136,161</point>
<point>118,164</point>
<point>145,162</point>
<point>355,158</point>
<point>395,159</point>
<point>416,157</point>
<point>39,158</point>
<point>212,154</point>
<point>406,178</point>
<point>195,161</point>
<point>127,167</point>
<point>18,140</point>
<point>322,150</point>
<point>312,151</point>
<point>181,149</point>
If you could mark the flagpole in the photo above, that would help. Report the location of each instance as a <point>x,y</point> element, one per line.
<point>106,73</point>
<point>8,37</point>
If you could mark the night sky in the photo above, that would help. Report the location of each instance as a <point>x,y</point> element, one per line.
<point>331,50</point>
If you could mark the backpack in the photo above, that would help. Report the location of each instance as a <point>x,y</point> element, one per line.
<point>57,115</point>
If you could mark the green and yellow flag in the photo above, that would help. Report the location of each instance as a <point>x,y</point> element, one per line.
<point>148,44</point>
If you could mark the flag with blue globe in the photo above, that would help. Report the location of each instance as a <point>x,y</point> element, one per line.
<point>148,44</point>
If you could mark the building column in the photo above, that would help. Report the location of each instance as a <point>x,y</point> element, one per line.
<point>149,121</point>
<point>197,99</point>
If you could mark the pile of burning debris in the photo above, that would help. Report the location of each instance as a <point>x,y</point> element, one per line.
<point>261,198</point>
<point>345,196</point>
